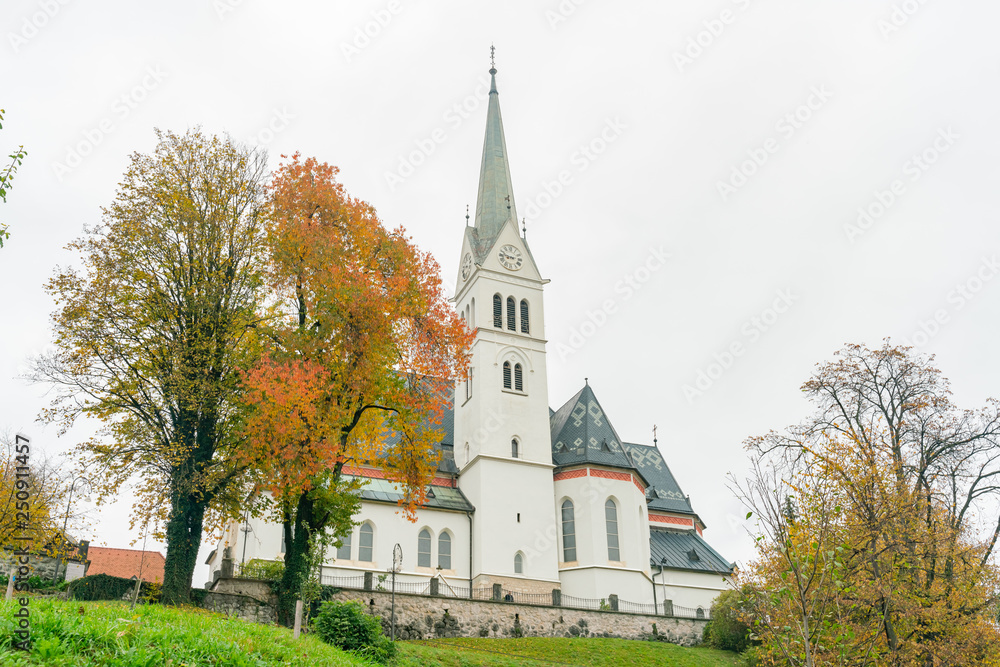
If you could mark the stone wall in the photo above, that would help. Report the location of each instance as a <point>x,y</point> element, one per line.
<point>422,617</point>
<point>241,606</point>
<point>253,588</point>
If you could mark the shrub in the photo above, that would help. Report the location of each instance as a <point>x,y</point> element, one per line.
<point>264,570</point>
<point>347,626</point>
<point>727,630</point>
<point>106,587</point>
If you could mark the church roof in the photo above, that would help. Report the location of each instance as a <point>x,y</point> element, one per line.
<point>685,551</point>
<point>495,202</point>
<point>581,433</point>
<point>663,492</point>
<point>438,497</point>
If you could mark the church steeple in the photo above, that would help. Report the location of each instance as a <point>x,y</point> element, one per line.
<point>495,204</point>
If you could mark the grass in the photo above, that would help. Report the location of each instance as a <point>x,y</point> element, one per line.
<point>543,651</point>
<point>71,634</point>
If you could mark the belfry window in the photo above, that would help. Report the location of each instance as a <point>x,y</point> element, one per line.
<point>524,317</point>
<point>506,375</point>
<point>611,518</point>
<point>568,531</point>
<point>497,311</point>
<point>424,548</point>
<point>510,314</point>
<point>518,378</point>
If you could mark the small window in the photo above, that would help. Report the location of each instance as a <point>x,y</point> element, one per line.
<point>700,613</point>
<point>506,375</point>
<point>518,563</point>
<point>424,548</point>
<point>468,385</point>
<point>611,518</point>
<point>344,550</point>
<point>510,314</point>
<point>569,531</point>
<point>514,449</point>
<point>524,316</point>
<point>444,551</point>
<point>366,545</point>
<point>283,549</point>
<point>497,311</point>
<point>518,378</point>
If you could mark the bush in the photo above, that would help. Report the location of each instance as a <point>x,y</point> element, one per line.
<point>264,570</point>
<point>106,587</point>
<point>727,630</point>
<point>347,626</point>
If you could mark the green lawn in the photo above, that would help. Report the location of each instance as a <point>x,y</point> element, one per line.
<point>72,634</point>
<point>75,634</point>
<point>538,651</point>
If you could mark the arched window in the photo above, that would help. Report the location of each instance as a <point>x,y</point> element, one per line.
<point>518,563</point>
<point>611,518</point>
<point>498,311</point>
<point>344,550</point>
<point>424,548</point>
<point>524,316</point>
<point>444,551</point>
<point>472,314</point>
<point>518,378</point>
<point>468,384</point>
<point>700,612</point>
<point>515,449</point>
<point>506,375</point>
<point>366,546</point>
<point>568,531</point>
<point>510,314</point>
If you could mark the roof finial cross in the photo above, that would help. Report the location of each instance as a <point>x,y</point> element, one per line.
<point>492,53</point>
<point>654,435</point>
<point>466,215</point>
<point>524,228</point>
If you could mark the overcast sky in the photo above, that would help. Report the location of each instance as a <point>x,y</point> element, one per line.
<point>722,193</point>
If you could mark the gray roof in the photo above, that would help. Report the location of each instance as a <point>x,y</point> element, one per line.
<point>685,551</point>
<point>663,492</point>
<point>496,193</point>
<point>581,433</point>
<point>446,446</point>
<point>438,497</point>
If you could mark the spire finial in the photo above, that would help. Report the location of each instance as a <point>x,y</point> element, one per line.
<point>586,381</point>
<point>466,215</point>
<point>524,228</point>
<point>492,57</point>
<point>654,435</point>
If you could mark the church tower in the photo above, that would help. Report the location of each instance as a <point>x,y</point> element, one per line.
<point>502,438</point>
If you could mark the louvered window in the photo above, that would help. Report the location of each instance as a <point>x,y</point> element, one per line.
<point>506,375</point>
<point>497,311</point>
<point>524,317</point>
<point>518,378</point>
<point>510,314</point>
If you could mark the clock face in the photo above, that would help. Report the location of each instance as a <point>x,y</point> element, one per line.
<point>511,257</point>
<point>466,266</point>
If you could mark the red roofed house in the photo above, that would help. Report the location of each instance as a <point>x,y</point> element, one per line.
<point>126,563</point>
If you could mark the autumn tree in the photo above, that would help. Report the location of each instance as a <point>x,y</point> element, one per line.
<point>7,178</point>
<point>878,520</point>
<point>152,334</point>
<point>364,350</point>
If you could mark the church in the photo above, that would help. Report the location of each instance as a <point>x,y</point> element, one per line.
<point>532,499</point>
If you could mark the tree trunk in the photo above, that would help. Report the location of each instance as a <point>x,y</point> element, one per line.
<point>297,529</point>
<point>183,539</point>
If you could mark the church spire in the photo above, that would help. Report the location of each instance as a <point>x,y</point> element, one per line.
<point>495,203</point>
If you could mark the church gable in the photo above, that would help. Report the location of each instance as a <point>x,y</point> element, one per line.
<point>582,433</point>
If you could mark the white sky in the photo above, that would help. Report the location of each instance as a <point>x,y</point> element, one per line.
<point>84,84</point>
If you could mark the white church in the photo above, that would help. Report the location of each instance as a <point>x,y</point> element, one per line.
<point>527,497</point>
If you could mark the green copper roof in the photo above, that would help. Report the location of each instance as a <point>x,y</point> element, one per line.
<point>495,190</point>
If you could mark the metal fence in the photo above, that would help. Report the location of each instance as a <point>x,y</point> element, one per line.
<point>497,593</point>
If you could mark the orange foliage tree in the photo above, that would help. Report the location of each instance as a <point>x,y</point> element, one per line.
<point>364,352</point>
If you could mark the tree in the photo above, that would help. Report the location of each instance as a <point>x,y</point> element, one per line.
<point>364,351</point>
<point>888,556</point>
<point>7,178</point>
<point>151,337</point>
